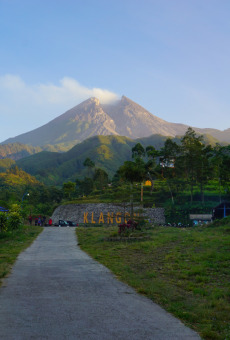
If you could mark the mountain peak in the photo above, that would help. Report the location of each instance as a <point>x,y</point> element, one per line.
<point>90,118</point>
<point>125,99</point>
<point>92,100</point>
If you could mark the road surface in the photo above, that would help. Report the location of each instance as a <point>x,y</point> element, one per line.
<point>56,291</point>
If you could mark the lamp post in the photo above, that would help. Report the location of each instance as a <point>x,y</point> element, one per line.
<point>25,194</point>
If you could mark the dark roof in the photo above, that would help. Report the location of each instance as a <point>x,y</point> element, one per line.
<point>225,204</point>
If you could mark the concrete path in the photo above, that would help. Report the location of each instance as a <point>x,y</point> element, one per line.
<point>56,291</point>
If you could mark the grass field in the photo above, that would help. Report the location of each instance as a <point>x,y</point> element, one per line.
<point>187,271</point>
<point>12,243</point>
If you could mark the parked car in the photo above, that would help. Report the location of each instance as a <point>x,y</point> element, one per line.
<point>62,223</point>
<point>71,223</point>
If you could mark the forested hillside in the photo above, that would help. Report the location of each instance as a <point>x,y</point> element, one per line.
<point>107,152</point>
<point>17,151</point>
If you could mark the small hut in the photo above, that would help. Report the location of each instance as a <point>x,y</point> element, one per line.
<point>222,210</point>
<point>200,218</point>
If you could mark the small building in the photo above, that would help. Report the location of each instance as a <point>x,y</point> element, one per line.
<point>222,210</point>
<point>167,163</point>
<point>200,218</point>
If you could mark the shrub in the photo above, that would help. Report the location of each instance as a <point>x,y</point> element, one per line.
<point>127,227</point>
<point>14,220</point>
<point>3,221</point>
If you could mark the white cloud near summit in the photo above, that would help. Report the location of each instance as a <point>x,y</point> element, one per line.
<point>24,107</point>
<point>70,89</point>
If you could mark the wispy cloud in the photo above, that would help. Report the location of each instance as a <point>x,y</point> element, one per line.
<point>24,107</point>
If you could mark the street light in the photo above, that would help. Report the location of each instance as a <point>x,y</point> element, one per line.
<point>25,194</point>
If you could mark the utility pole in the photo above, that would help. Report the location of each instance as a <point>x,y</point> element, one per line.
<point>141,192</point>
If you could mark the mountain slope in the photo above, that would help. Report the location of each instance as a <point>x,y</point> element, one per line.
<point>17,151</point>
<point>81,122</point>
<point>133,121</point>
<point>91,118</point>
<point>17,177</point>
<point>108,152</point>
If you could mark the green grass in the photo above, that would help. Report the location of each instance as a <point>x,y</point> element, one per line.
<point>184,270</point>
<point>12,243</point>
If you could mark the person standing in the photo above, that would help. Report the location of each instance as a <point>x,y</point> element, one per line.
<point>30,220</point>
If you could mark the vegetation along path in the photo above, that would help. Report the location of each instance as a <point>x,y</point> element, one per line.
<point>56,291</point>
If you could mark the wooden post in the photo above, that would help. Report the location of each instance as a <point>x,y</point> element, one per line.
<point>141,192</point>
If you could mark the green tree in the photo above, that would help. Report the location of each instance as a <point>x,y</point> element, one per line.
<point>221,166</point>
<point>85,187</point>
<point>168,157</point>
<point>90,165</point>
<point>133,172</point>
<point>204,170</point>
<point>69,188</point>
<point>150,166</point>
<point>138,151</point>
<point>192,149</point>
<point>100,178</point>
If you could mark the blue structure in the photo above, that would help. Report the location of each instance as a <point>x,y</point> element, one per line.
<point>221,211</point>
<point>3,209</point>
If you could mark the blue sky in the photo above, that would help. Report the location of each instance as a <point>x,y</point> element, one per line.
<point>170,56</point>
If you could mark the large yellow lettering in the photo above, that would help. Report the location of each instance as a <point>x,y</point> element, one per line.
<point>118,219</point>
<point>92,220</point>
<point>110,218</point>
<point>101,218</point>
<point>86,217</point>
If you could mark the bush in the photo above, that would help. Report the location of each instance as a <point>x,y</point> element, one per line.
<point>11,220</point>
<point>14,220</point>
<point>127,227</point>
<point>3,221</point>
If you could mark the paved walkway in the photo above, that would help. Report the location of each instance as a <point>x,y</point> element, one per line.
<point>56,291</point>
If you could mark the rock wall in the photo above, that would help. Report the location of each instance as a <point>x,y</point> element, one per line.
<point>104,213</point>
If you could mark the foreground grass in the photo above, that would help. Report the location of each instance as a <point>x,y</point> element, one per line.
<point>12,243</point>
<point>184,270</point>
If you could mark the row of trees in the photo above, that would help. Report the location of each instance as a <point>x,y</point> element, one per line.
<point>187,164</point>
<point>41,199</point>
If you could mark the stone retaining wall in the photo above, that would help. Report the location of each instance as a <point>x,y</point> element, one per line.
<point>104,213</point>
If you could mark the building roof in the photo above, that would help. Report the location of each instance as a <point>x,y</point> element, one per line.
<point>202,217</point>
<point>222,205</point>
